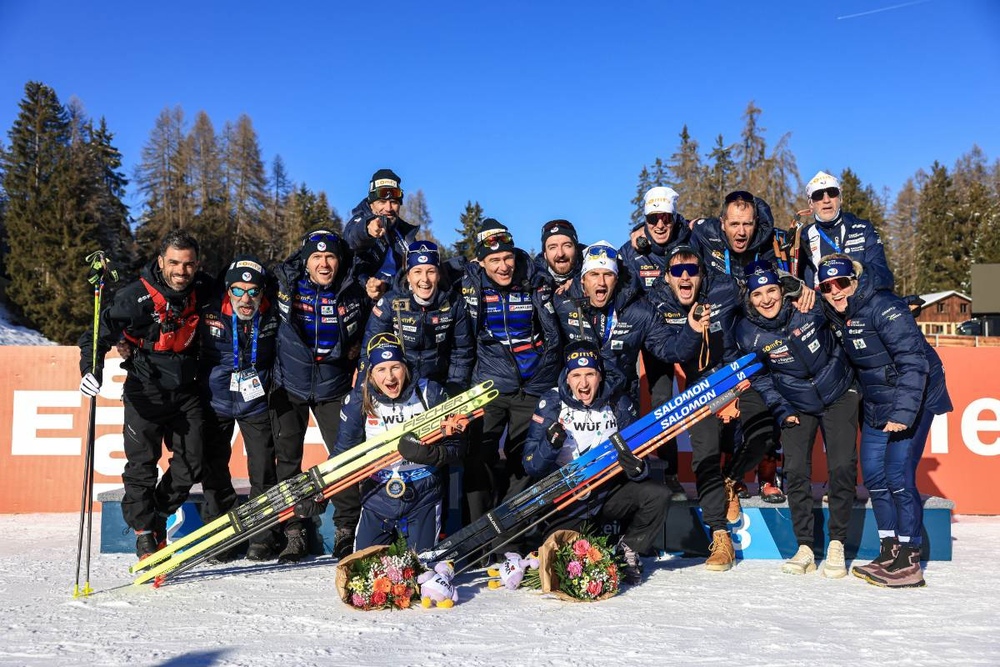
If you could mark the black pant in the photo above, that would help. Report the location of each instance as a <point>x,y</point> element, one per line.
<point>660,377</point>
<point>217,482</point>
<point>487,478</point>
<point>289,419</point>
<point>758,434</point>
<point>840,429</point>
<point>152,414</point>
<point>639,507</point>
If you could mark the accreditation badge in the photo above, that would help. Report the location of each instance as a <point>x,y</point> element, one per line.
<point>250,385</point>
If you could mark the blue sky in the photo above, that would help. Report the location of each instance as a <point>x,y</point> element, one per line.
<point>537,110</point>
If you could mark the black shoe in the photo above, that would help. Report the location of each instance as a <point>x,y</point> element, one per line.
<point>631,565</point>
<point>296,548</point>
<point>343,543</point>
<point>677,492</point>
<point>145,545</point>
<point>261,551</point>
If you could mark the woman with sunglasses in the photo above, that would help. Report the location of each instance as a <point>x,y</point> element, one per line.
<point>405,498</point>
<point>809,385</point>
<point>903,384</point>
<point>834,230</point>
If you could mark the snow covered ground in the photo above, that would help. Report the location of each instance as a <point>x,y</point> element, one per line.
<point>15,334</point>
<point>238,614</point>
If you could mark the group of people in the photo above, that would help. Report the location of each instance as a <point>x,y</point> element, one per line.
<point>368,329</point>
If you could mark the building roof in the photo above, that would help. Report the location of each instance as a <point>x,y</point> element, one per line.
<point>938,296</point>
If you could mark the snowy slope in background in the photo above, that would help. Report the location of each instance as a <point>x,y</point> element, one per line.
<point>15,334</point>
<point>238,614</point>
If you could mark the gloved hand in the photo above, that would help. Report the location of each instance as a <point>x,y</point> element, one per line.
<point>310,507</point>
<point>556,435</point>
<point>414,451</point>
<point>633,466</point>
<point>90,385</point>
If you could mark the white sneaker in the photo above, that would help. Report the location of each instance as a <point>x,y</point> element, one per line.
<point>802,562</point>
<point>834,566</point>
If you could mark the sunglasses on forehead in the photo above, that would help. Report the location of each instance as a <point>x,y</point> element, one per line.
<point>678,270</point>
<point>382,339</point>
<point>827,286</point>
<point>252,292</point>
<point>738,195</point>
<point>832,192</point>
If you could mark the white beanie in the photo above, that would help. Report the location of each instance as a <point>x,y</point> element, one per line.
<point>821,181</point>
<point>600,255</point>
<point>660,199</point>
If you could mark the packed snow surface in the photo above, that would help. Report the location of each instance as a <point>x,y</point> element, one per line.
<point>268,614</point>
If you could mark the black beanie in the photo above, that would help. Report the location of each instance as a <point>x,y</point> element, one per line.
<point>246,269</point>
<point>558,228</point>
<point>490,239</point>
<point>320,240</point>
<point>384,178</point>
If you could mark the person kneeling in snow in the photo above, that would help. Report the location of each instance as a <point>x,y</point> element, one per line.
<point>582,412</point>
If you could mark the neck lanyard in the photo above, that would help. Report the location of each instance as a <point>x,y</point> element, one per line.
<point>609,320</point>
<point>833,244</point>
<point>253,342</point>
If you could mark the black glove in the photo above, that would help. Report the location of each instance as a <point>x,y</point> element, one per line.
<point>556,435</point>
<point>643,246</point>
<point>310,507</point>
<point>632,465</point>
<point>414,451</point>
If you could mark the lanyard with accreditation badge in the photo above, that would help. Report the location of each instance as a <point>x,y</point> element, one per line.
<point>247,382</point>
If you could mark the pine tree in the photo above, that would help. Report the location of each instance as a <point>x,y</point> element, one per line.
<point>247,188</point>
<point>988,232</point>
<point>416,212</point>
<point>938,234</point>
<point>689,178</point>
<point>775,177</point>
<point>275,218</point>
<point>721,176</point>
<point>470,220</point>
<point>862,201</point>
<point>163,180</point>
<point>115,233</point>
<point>901,239</point>
<point>306,211</point>
<point>641,189</point>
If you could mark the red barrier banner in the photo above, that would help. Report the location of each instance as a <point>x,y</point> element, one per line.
<point>44,424</point>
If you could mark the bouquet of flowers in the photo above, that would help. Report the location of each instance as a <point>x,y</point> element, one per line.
<point>578,567</point>
<point>380,577</point>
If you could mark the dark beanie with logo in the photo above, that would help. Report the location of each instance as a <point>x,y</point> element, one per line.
<point>493,237</point>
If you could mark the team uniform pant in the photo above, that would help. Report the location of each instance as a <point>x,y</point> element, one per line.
<point>660,377</point>
<point>416,515</point>
<point>488,477</point>
<point>217,482</point>
<point>289,419</point>
<point>889,468</point>
<point>839,423</point>
<point>151,415</point>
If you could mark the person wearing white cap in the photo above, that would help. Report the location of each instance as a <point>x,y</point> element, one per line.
<point>617,318</point>
<point>834,230</point>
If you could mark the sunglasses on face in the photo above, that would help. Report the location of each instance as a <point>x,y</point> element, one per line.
<point>654,219</point>
<point>738,195</point>
<point>252,292</point>
<point>832,192</point>
<point>388,193</point>
<point>597,252</point>
<point>678,270</point>
<point>827,286</point>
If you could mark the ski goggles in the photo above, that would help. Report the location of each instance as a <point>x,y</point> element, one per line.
<point>252,292</point>
<point>494,240</point>
<point>601,252</point>
<point>818,194</point>
<point>324,236</point>
<point>842,283</point>
<point>678,270</point>
<point>388,193</point>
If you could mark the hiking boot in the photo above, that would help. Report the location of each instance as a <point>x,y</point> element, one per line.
<point>771,494</point>
<point>677,492</point>
<point>887,554</point>
<point>733,508</point>
<point>343,543</point>
<point>903,572</point>
<point>723,554</point>
<point>295,548</point>
<point>261,551</point>
<point>834,567</point>
<point>802,562</point>
<point>145,544</point>
<point>631,569</point>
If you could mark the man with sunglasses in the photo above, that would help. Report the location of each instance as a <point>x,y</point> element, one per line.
<point>378,236</point>
<point>157,318</point>
<point>645,259</point>
<point>834,230</point>
<point>619,320</point>
<point>238,331</point>
<point>518,347</point>
<point>322,311</point>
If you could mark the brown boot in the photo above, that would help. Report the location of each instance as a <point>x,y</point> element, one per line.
<point>887,554</point>
<point>733,508</point>
<point>903,572</point>
<point>723,554</point>
<point>767,475</point>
